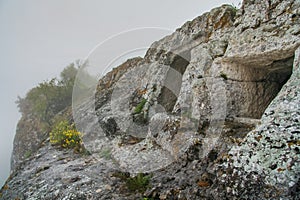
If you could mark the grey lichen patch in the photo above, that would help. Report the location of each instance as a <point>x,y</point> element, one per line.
<point>271,155</point>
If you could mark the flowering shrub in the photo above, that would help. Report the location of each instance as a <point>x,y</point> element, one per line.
<point>66,136</point>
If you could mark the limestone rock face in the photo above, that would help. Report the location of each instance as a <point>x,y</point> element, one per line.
<point>28,139</point>
<point>211,112</point>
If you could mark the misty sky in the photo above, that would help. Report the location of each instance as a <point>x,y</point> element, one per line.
<point>39,38</point>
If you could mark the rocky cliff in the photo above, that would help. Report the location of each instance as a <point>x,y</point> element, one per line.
<point>211,112</point>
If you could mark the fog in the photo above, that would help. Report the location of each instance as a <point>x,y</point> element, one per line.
<point>39,38</point>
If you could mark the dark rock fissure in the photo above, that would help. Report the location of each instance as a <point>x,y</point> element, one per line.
<point>180,62</point>
<point>168,98</point>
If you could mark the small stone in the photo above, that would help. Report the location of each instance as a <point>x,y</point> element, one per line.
<point>107,187</point>
<point>99,190</point>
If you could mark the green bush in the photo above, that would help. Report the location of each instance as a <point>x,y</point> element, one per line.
<point>138,183</point>
<point>66,136</point>
<point>138,109</point>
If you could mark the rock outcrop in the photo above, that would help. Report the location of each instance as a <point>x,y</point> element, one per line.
<point>211,112</point>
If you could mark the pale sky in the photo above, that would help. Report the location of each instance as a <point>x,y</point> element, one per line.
<point>39,38</point>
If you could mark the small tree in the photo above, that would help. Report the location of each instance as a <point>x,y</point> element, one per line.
<point>49,97</point>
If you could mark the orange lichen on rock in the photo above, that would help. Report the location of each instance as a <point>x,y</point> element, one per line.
<point>203,184</point>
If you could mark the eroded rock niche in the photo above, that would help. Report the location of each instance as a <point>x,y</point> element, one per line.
<point>251,88</point>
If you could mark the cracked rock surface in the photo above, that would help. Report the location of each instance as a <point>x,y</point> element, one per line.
<point>218,117</point>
